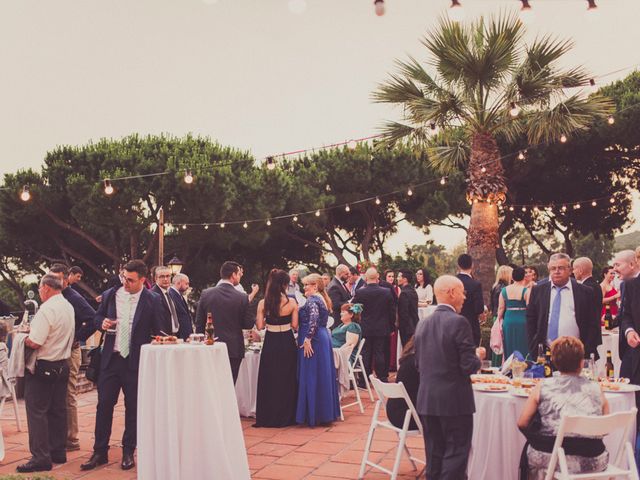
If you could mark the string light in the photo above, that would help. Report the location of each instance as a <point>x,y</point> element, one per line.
<point>483,169</point>
<point>327,187</point>
<point>524,209</point>
<point>184,227</point>
<point>377,201</point>
<point>563,138</point>
<point>271,164</point>
<point>379,7</point>
<point>222,225</point>
<point>612,200</point>
<point>188,177</point>
<point>25,196</point>
<point>443,181</point>
<point>108,188</point>
<point>268,222</point>
<point>206,227</point>
<point>295,218</point>
<point>521,155</point>
<point>511,209</point>
<point>564,208</point>
<point>347,208</point>
<point>576,206</point>
<point>317,213</point>
<point>594,204</point>
<point>409,192</point>
<point>611,120</point>
<point>245,225</point>
<point>514,109</point>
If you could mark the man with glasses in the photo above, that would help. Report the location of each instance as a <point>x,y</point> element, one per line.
<point>562,307</point>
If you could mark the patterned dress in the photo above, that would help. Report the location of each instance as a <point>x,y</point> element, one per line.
<point>566,395</point>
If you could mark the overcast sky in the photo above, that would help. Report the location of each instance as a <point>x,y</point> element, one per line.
<point>250,74</point>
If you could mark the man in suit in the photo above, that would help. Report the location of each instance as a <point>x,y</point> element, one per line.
<point>629,327</point>
<point>180,288</point>
<point>562,307</point>
<point>626,266</point>
<point>583,271</point>
<point>446,355</point>
<point>407,306</point>
<point>173,302</point>
<point>355,281</point>
<point>231,312</point>
<point>377,321</point>
<point>131,315</point>
<point>473,305</point>
<point>339,292</point>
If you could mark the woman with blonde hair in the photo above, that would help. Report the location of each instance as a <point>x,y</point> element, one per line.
<point>503,278</point>
<point>317,382</point>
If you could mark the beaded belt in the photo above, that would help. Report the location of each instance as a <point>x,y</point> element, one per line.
<point>518,308</point>
<point>279,328</point>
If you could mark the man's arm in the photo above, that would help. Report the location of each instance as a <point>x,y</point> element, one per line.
<point>85,315</point>
<point>101,313</point>
<point>532,322</point>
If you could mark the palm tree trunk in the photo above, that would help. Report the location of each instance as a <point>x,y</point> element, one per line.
<point>481,244</point>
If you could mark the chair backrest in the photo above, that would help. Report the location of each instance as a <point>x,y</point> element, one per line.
<point>385,391</point>
<point>360,345</point>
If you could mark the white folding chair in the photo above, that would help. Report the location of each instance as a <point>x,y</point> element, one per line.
<point>386,391</point>
<point>358,367</point>
<point>12,394</point>
<point>595,426</point>
<point>354,384</point>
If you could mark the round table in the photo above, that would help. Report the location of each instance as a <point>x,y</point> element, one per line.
<point>247,384</point>
<point>609,342</point>
<point>188,422</point>
<point>497,443</point>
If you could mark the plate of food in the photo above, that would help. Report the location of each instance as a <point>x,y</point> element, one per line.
<point>613,387</point>
<point>613,380</point>
<point>166,340</point>
<point>490,387</point>
<point>520,392</point>
<point>480,378</point>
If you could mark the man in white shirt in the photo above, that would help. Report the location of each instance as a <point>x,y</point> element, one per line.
<point>45,391</point>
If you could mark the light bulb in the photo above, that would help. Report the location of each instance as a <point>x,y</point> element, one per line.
<point>611,120</point>
<point>443,181</point>
<point>222,225</point>
<point>245,225</point>
<point>327,187</point>
<point>377,201</point>
<point>521,155</point>
<point>268,222</point>
<point>317,213</point>
<point>347,208</point>
<point>184,227</point>
<point>514,109</point>
<point>271,164</point>
<point>295,218</point>
<point>524,209</point>
<point>379,7</point>
<point>188,177</point>
<point>612,200</point>
<point>456,12</point>
<point>206,227</point>
<point>25,196</point>
<point>511,209</point>
<point>564,208</point>
<point>594,204</point>
<point>297,6</point>
<point>409,192</point>
<point>576,206</point>
<point>108,188</point>
<point>563,138</point>
<point>483,169</point>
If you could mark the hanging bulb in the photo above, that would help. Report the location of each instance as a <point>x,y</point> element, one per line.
<point>612,200</point>
<point>108,188</point>
<point>25,196</point>
<point>327,187</point>
<point>222,225</point>
<point>268,222</point>
<point>576,206</point>
<point>188,177</point>
<point>563,138</point>
<point>245,225</point>
<point>206,227</point>
<point>526,13</point>
<point>594,204</point>
<point>483,169</point>
<point>271,163</point>
<point>443,181</point>
<point>521,155</point>
<point>377,201</point>
<point>317,213</point>
<point>524,209</point>
<point>611,120</point>
<point>184,227</point>
<point>514,109</point>
<point>379,7</point>
<point>409,192</point>
<point>347,208</point>
<point>511,209</point>
<point>295,218</point>
<point>456,13</point>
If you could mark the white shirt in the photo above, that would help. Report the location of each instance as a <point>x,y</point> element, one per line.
<point>126,304</point>
<point>238,287</point>
<point>567,324</point>
<point>425,294</point>
<point>53,327</point>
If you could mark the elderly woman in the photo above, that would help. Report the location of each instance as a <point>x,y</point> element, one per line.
<point>567,394</point>
<point>349,331</point>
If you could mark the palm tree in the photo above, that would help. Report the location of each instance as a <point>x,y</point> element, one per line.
<point>490,85</point>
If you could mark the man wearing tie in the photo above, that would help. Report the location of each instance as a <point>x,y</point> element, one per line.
<point>339,292</point>
<point>562,307</point>
<point>174,304</point>
<point>626,266</point>
<point>131,315</point>
<point>180,289</point>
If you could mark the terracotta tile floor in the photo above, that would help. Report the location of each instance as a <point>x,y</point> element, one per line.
<point>320,453</point>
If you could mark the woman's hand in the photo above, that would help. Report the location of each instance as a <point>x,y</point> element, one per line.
<point>308,349</point>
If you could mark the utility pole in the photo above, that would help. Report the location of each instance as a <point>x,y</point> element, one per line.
<point>160,237</point>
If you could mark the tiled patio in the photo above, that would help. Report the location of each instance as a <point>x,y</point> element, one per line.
<point>321,453</point>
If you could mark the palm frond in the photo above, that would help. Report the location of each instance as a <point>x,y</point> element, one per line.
<point>449,151</point>
<point>397,90</point>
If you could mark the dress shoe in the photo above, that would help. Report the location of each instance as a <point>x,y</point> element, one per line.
<point>96,460</point>
<point>32,466</point>
<point>127,461</point>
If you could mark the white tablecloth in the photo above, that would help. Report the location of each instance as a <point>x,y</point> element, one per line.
<point>609,342</point>
<point>188,422</point>
<point>247,384</point>
<point>497,443</point>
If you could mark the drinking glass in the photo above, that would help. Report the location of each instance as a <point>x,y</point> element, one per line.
<point>517,371</point>
<point>589,369</point>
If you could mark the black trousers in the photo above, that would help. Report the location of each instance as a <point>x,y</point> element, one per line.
<point>375,356</point>
<point>115,377</point>
<point>46,404</point>
<point>447,443</point>
<point>235,368</point>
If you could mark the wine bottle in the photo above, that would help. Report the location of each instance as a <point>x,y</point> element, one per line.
<point>548,371</point>
<point>609,366</point>
<point>608,318</point>
<point>209,330</point>
<point>540,359</point>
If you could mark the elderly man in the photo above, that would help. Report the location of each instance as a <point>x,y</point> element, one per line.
<point>630,320</point>
<point>339,292</point>
<point>378,320</point>
<point>293,287</point>
<point>626,265</point>
<point>446,355</point>
<point>45,390</point>
<point>562,307</point>
<point>174,304</point>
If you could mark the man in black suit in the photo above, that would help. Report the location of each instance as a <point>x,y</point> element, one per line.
<point>583,271</point>
<point>473,305</point>
<point>179,289</point>
<point>407,306</point>
<point>573,314</point>
<point>446,355</point>
<point>131,315</point>
<point>355,282</point>
<point>181,325</point>
<point>339,292</point>
<point>377,321</point>
<point>231,313</point>
<point>626,266</point>
<point>629,327</point>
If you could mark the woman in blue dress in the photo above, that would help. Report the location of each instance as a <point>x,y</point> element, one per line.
<point>512,308</point>
<point>317,379</point>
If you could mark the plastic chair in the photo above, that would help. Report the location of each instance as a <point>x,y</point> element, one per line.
<point>358,367</point>
<point>595,426</point>
<point>386,391</point>
<point>12,394</point>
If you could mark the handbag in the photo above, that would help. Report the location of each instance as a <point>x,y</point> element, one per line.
<point>95,356</point>
<point>495,340</point>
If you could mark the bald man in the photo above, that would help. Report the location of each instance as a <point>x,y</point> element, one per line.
<point>446,356</point>
<point>339,292</point>
<point>377,322</point>
<point>626,265</point>
<point>583,271</point>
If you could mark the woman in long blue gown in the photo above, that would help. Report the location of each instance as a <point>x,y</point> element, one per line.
<point>512,308</point>
<point>317,380</point>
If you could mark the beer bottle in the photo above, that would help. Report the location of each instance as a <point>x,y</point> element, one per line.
<point>547,364</point>
<point>609,366</point>
<point>608,318</point>
<point>208,330</point>
<point>540,359</point>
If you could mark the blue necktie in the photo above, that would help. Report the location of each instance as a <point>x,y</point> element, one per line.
<point>554,318</point>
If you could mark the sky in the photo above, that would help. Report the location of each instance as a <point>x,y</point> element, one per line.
<point>249,73</point>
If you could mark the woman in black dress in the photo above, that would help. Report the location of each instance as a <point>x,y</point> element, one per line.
<point>277,377</point>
